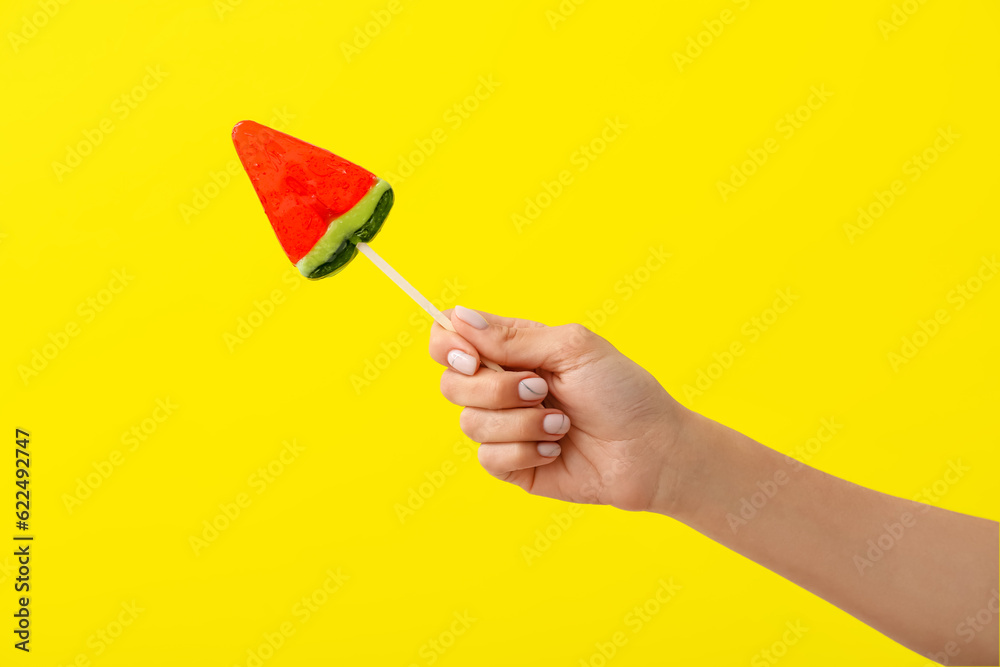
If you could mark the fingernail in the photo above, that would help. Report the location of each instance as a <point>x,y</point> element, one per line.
<point>462,362</point>
<point>555,424</point>
<point>532,389</point>
<point>549,449</point>
<point>470,316</point>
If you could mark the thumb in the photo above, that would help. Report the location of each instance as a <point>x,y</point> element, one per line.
<point>528,347</point>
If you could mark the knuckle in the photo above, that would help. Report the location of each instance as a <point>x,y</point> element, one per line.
<point>499,386</point>
<point>434,340</point>
<point>524,456</point>
<point>577,335</point>
<point>507,334</point>
<point>494,422</point>
<point>506,339</point>
<point>579,342</point>
<point>467,422</point>
<point>448,387</point>
<point>481,425</point>
<point>485,457</point>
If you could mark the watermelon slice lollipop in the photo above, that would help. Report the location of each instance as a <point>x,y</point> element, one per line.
<point>323,208</point>
<point>320,205</point>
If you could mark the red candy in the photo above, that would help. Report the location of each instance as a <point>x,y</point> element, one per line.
<point>302,187</point>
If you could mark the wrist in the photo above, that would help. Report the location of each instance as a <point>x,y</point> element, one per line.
<point>682,446</point>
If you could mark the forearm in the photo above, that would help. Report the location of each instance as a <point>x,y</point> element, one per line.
<point>916,573</point>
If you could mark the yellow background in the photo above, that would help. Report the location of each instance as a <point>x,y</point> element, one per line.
<point>563,73</point>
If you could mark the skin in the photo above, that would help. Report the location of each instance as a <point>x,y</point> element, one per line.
<point>631,445</point>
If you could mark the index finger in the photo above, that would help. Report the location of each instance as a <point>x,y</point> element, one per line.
<point>499,319</point>
<point>451,350</point>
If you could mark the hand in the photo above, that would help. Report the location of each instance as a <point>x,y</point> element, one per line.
<point>570,418</point>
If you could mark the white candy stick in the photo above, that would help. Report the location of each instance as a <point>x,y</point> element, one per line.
<point>438,316</point>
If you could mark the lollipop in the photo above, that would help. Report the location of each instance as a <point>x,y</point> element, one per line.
<point>323,208</point>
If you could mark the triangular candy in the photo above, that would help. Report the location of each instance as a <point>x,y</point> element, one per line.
<point>320,205</point>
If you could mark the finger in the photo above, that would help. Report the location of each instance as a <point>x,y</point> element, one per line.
<point>498,319</point>
<point>494,390</point>
<point>450,349</point>
<point>528,346</point>
<point>500,459</point>
<point>513,425</point>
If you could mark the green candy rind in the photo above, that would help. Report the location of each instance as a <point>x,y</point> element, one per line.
<point>337,246</point>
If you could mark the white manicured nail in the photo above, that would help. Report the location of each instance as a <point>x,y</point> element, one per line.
<point>462,362</point>
<point>549,449</point>
<point>555,424</point>
<point>471,317</point>
<point>532,389</point>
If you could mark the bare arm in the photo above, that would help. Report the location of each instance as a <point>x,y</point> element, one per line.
<point>924,576</point>
<point>575,419</point>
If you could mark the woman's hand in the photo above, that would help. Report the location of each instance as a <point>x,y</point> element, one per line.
<point>629,444</point>
<point>570,418</point>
